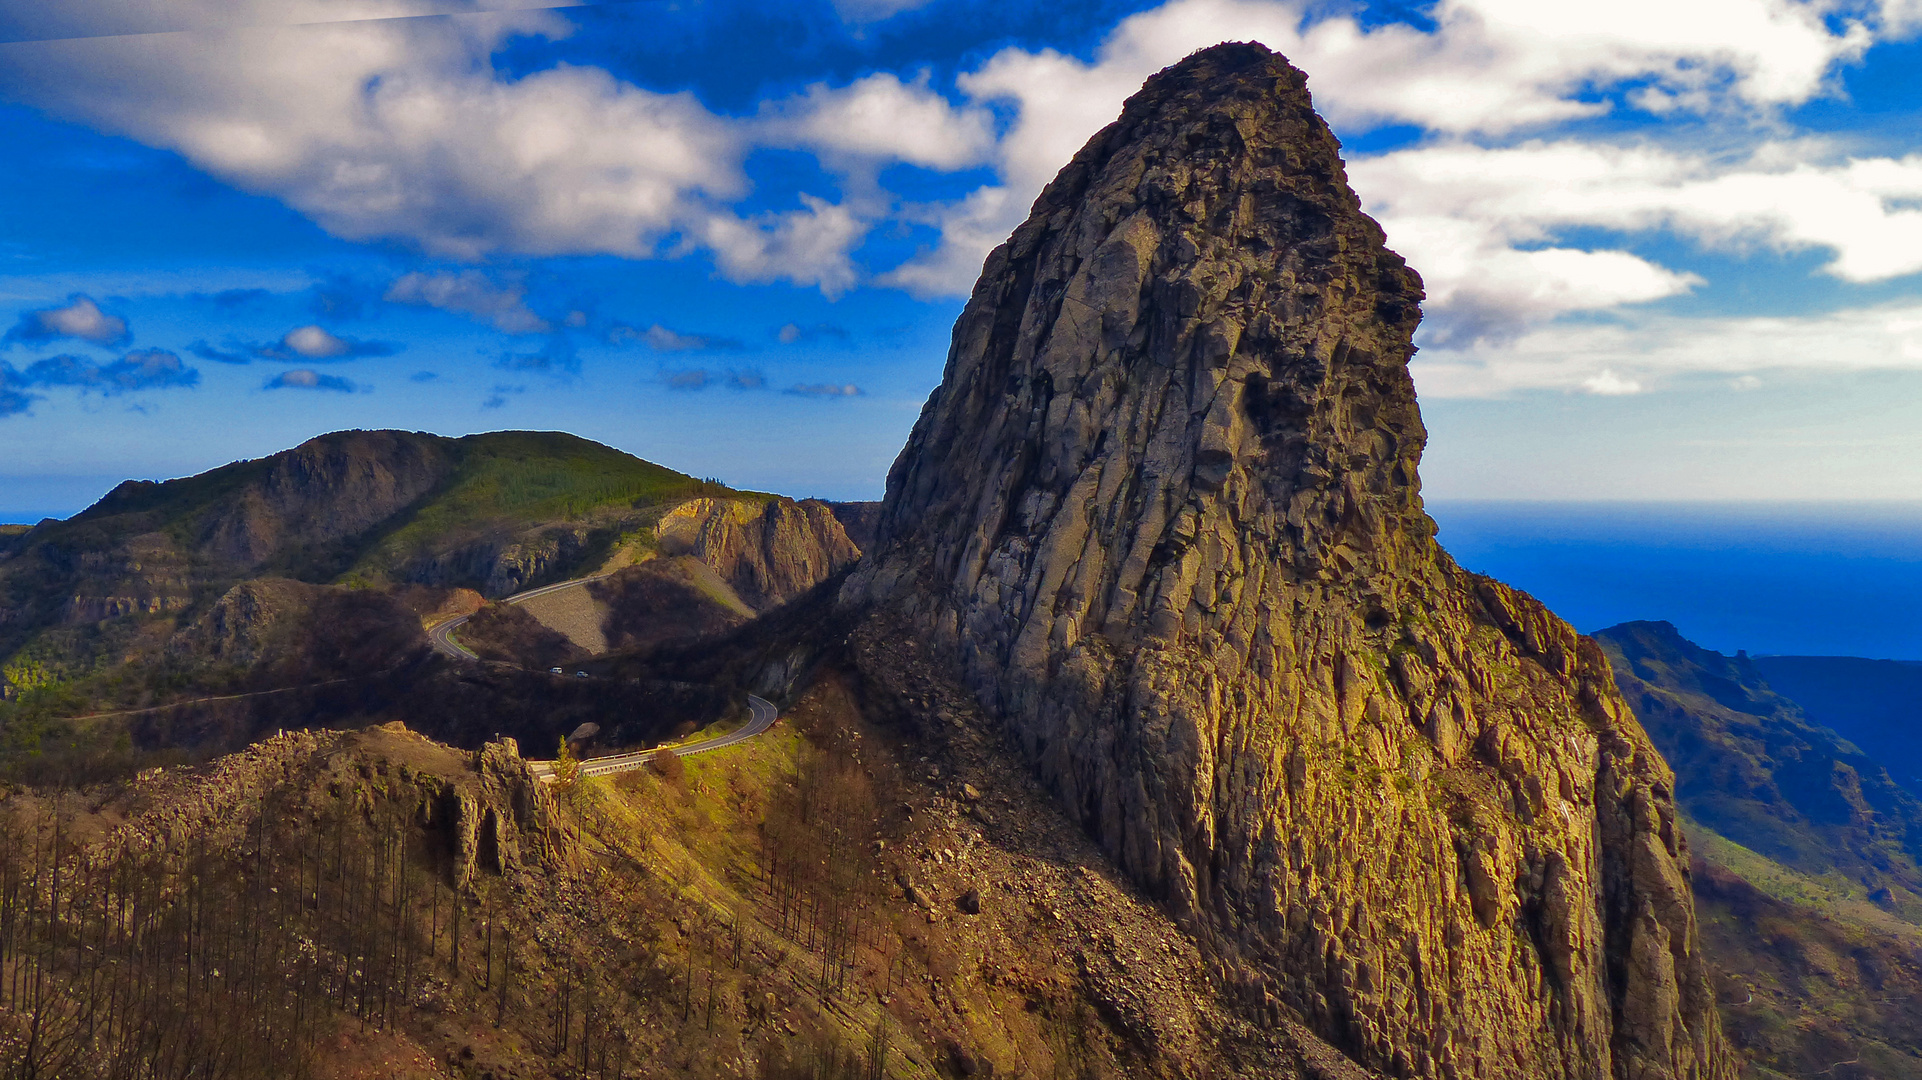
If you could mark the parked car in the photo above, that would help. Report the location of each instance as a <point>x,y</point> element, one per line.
<point>580,674</point>
<point>555,671</point>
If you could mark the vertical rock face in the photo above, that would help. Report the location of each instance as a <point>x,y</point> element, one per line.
<point>1163,516</point>
<point>769,552</point>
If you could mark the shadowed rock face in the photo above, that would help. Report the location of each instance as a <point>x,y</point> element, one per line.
<point>1162,516</point>
<point>768,552</point>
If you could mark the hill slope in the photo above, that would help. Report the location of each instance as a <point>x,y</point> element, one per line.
<point>1812,902</point>
<point>1876,704</point>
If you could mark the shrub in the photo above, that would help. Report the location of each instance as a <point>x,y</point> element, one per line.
<point>667,765</point>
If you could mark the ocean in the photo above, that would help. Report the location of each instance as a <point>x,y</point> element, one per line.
<point>1808,579</point>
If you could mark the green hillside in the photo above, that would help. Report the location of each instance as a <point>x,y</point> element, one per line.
<point>1808,873</point>
<point>509,481</point>
<point>496,512</point>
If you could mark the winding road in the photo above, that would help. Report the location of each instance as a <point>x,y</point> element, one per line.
<point>761,713</point>
<point>442,635</point>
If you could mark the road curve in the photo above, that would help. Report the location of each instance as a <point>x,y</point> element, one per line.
<point>761,713</point>
<point>441,637</point>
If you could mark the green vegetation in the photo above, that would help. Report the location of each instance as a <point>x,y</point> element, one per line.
<point>1832,894</point>
<point>522,477</point>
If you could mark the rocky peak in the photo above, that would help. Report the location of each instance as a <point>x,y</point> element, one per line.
<point>1162,517</point>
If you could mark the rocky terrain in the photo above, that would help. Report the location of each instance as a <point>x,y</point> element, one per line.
<point>768,552</point>
<point>1875,704</point>
<point>324,562</point>
<point>1808,858</point>
<point>1162,520</point>
<point>814,905</point>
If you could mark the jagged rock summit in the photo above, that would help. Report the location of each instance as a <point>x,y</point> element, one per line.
<point>1162,517</point>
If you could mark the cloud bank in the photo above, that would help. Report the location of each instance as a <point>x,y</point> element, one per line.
<point>1534,178</point>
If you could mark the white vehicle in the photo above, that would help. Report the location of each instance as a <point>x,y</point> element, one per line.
<point>577,674</point>
<point>555,671</point>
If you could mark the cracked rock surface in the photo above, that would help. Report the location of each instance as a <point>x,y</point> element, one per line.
<point>1162,518</point>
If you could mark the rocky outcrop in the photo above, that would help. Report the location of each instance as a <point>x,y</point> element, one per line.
<point>769,551</point>
<point>503,566</point>
<point>1162,517</point>
<point>1752,766</point>
<point>500,807</point>
<point>240,626</point>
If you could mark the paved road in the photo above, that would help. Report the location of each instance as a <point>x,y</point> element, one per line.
<point>761,713</point>
<point>442,636</point>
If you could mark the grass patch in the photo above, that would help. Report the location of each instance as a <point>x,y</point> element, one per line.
<point>1832,894</point>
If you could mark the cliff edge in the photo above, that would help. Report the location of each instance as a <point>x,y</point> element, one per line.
<point>1162,517</point>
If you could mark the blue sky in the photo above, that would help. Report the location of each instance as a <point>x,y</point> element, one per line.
<point>1672,249</point>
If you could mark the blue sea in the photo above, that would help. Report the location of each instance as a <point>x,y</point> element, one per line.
<point>1809,579</point>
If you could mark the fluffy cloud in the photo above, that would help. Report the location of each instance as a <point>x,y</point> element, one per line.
<point>880,118</point>
<point>807,247</point>
<point>402,128</point>
<point>1488,67</point>
<point>301,343</point>
<point>80,318</point>
<point>470,293</point>
<point>308,379</point>
<point>143,369</point>
<point>1644,352</point>
<point>1467,215</point>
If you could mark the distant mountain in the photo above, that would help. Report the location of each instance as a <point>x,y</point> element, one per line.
<point>323,563</point>
<point>1875,704</point>
<point>1809,879</point>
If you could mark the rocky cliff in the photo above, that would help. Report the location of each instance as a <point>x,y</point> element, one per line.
<point>1162,516</point>
<point>768,551</point>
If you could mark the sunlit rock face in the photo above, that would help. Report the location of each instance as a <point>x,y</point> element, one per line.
<point>1162,516</point>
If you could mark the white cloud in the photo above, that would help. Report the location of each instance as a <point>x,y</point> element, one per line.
<point>80,317</point>
<point>1466,217</point>
<point>1609,384</point>
<point>471,293</point>
<point>969,228</point>
<point>402,129</point>
<point>315,343</point>
<point>880,118</point>
<point>807,247</point>
<point>1489,67</point>
<point>1629,355</point>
